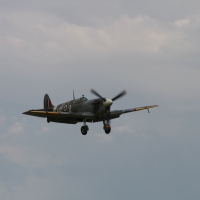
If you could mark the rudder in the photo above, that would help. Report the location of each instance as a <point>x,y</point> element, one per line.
<point>47,102</point>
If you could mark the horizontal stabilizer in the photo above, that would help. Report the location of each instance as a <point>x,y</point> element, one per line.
<point>61,115</point>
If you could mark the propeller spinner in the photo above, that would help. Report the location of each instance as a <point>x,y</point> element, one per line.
<point>108,102</point>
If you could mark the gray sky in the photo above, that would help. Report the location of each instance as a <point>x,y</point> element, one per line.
<point>149,48</point>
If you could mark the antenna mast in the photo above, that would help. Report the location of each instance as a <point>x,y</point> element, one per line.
<point>73,95</point>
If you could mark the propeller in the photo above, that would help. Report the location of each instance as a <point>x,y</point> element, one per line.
<point>113,99</point>
<point>121,94</point>
<point>108,115</point>
<point>108,102</point>
<point>97,94</point>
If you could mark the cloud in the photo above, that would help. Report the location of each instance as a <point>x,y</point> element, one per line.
<point>61,41</point>
<point>12,130</point>
<point>182,22</point>
<point>54,47</point>
<point>104,137</point>
<point>44,129</point>
<point>2,120</point>
<point>24,156</point>
<point>16,129</point>
<point>159,56</point>
<point>3,189</point>
<point>123,129</point>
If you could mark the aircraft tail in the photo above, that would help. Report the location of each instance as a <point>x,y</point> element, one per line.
<point>47,103</point>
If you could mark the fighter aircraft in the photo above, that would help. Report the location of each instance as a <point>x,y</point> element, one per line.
<point>83,110</point>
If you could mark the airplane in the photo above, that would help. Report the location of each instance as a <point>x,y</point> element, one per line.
<point>83,110</point>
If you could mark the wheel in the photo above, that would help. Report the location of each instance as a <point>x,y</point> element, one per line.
<point>48,120</point>
<point>84,130</point>
<point>107,131</point>
<point>107,128</point>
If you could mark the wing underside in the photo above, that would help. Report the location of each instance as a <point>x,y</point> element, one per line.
<point>59,115</point>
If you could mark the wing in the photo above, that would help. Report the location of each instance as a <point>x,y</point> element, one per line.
<point>59,115</point>
<point>116,113</point>
<point>86,115</point>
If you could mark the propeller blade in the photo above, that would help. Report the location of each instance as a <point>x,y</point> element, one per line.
<point>108,116</point>
<point>97,94</point>
<point>119,95</point>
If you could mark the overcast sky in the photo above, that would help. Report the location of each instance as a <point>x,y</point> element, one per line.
<point>149,48</point>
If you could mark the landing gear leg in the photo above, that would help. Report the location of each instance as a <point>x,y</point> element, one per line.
<point>84,128</point>
<point>106,127</point>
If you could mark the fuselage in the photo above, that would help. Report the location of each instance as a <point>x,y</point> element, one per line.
<point>81,105</point>
<point>97,108</point>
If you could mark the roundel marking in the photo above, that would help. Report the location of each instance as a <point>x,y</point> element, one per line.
<point>65,108</point>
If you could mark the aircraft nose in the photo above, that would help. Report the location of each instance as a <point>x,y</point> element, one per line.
<point>108,102</point>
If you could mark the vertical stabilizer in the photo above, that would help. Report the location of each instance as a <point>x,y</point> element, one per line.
<point>47,102</point>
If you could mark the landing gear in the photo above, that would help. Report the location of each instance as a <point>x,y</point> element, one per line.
<point>48,120</point>
<point>106,127</point>
<point>84,128</point>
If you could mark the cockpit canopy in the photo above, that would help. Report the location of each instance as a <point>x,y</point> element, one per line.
<point>82,99</point>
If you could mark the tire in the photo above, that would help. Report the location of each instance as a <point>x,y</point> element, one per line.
<point>107,128</point>
<point>84,130</point>
<point>107,131</point>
